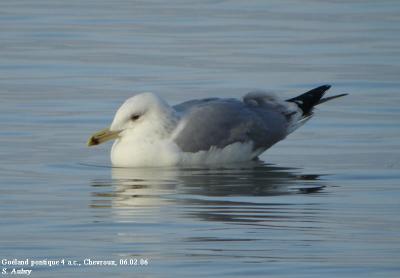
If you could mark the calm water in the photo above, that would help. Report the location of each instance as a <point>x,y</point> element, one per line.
<point>324,204</point>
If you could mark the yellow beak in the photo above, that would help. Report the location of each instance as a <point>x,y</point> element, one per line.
<point>102,136</point>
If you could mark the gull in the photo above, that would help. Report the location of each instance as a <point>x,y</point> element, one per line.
<point>149,132</point>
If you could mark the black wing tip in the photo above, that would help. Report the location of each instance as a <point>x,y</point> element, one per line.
<point>309,99</point>
<point>321,90</point>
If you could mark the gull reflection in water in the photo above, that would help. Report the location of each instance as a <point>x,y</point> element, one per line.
<point>153,194</point>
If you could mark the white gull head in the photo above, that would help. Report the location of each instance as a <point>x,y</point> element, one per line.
<point>145,123</point>
<point>142,115</point>
<point>142,127</point>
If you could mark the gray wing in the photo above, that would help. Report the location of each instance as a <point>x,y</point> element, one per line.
<point>221,122</point>
<point>185,106</point>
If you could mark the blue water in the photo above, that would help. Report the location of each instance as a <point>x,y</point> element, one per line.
<point>323,203</point>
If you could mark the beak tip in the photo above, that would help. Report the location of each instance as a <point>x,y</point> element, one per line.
<point>92,142</point>
<point>101,137</point>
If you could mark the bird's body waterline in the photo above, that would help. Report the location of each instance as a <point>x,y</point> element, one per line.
<point>149,132</point>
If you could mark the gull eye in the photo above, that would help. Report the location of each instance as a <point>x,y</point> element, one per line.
<point>135,117</point>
